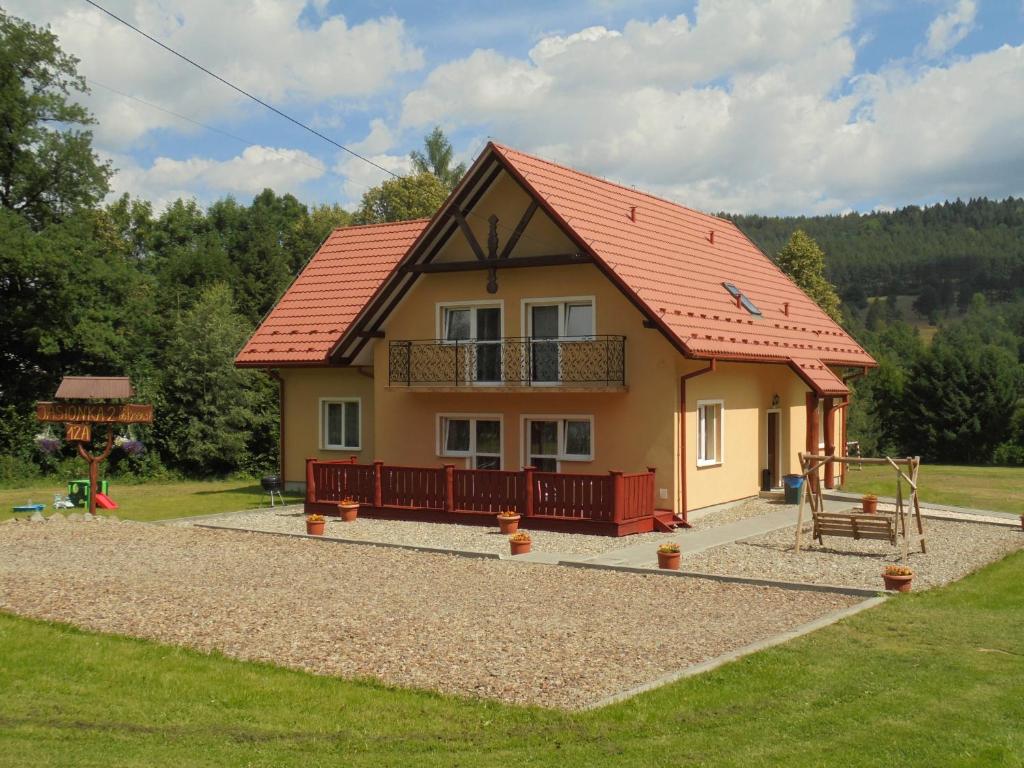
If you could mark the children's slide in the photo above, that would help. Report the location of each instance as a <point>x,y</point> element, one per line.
<point>105,502</point>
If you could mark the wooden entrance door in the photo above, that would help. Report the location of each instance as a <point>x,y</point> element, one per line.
<point>774,452</point>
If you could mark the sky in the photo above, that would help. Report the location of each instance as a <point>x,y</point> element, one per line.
<point>774,107</point>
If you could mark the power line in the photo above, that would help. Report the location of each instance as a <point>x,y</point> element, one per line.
<point>245,93</point>
<point>247,142</point>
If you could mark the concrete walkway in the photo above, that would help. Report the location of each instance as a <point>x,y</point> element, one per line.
<point>697,540</point>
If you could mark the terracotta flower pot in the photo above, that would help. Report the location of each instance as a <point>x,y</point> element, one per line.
<point>897,583</point>
<point>348,512</point>
<point>520,547</point>
<point>669,560</point>
<point>315,527</point>
<point>508,525</point>
<point>870,506</point>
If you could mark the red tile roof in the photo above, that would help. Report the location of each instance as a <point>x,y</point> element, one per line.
<point>818,376</point>
<point>327,295</point>
<point>671,260</point>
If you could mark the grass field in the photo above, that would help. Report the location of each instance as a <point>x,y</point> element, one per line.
<point>153,500</point>
<point>927,679</point>
<point>998,488</point>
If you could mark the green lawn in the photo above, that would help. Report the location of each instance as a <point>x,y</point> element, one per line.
<point>927,679</point>
<point>998,488</point>
<point>152,500</point>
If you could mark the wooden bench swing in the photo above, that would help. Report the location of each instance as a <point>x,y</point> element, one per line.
<point>855,524</point>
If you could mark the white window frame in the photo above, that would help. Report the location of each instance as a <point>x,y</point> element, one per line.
<point>526,326</point>
<point>701,426</point>
<point>322,421</point>
<point>441,306</point>
<point>560,418</point>
<point>561,301</point>
<point>472,418</point>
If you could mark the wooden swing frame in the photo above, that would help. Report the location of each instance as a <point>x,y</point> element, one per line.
<point>810,492</point>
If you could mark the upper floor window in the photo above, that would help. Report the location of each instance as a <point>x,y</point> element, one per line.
<point>549,322</point>
<point>480,324</point>
<point>340,424</point>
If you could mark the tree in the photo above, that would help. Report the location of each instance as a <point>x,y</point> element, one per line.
<point>47,166</point>
<point>402,199</point>
<point>804,261</point>
<point>214,418</point>
<point>438,159</point>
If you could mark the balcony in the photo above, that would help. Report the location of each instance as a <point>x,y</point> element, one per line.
<point>590,363</point>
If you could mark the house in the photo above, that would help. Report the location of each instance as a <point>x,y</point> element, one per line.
<point>547,318</point>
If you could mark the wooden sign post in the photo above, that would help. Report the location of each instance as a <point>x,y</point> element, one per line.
<point>79,419</point>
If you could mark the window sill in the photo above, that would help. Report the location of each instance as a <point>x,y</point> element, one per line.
<point>708,464</point>
<point>344,448</point>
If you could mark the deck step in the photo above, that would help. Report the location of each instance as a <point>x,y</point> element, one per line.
<point>669,525</point>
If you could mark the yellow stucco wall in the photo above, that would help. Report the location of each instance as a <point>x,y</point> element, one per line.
<point>632,429</point>
<point>747,392</point>
<point>304,387</point>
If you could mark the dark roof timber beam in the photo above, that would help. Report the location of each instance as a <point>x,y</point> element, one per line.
<point>551,260</point>
<point>465,197</point>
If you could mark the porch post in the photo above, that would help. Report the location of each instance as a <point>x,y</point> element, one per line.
<point>812,432</point>
<point>378,484</point>
<point>310,482</point>
<point>830,440</point>
<point>449,487</point>
<point>527,510</point>
<point>618,496</point>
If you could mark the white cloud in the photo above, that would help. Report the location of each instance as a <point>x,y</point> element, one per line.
<point>263,47</point>
<point>258,167</point>
<point>745,108</point>
<point>950,28</point>
<point>360,176</point>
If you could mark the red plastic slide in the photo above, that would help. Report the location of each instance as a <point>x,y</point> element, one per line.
<point>104,501</point>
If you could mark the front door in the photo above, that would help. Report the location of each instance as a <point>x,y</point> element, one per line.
<point>774,447</point>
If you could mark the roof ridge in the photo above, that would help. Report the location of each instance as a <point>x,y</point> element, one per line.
<point>378,224</point>
<point>617,184</point>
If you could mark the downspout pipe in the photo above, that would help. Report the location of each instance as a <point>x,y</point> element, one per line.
<point>280,415</point>
<point>684,507</point>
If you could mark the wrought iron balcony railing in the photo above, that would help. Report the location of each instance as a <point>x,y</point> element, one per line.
<point>579,361</point>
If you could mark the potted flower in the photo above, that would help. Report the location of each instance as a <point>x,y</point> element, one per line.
<point>897,578</point>
<point>668,556</point>
<point>315,525</point>
<point>870,503</point>
<point>519,542</point>
<point>348,508</point>
<point>508,521</point>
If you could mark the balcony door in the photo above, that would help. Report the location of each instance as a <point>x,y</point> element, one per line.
<point>551,326</point>
<point>479,360</point>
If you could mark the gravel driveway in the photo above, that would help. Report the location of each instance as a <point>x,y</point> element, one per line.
<point>522,633</point>
<point>955,549</point>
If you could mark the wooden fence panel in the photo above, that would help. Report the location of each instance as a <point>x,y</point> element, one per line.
<point>487,490</point>
<point>639,495</point>
<point>337,480</point>
<point>573,497</point>
<point>413,487</point>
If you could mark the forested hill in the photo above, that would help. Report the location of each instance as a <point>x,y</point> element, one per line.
<point>954,247</point>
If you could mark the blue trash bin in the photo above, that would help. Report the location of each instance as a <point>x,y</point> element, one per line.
<point>793,484</point>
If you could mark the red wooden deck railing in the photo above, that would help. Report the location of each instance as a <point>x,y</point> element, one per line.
<point>615,503</point>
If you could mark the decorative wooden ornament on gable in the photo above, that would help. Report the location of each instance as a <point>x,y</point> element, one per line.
<point>79,417</point>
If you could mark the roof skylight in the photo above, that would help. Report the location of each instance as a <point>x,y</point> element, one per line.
<point>742,300</point>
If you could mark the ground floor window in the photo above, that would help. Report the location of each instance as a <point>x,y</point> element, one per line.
<point>551,440</point>
<point>341,427</point>
<point>710,448</point>
<point>477,438</point>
